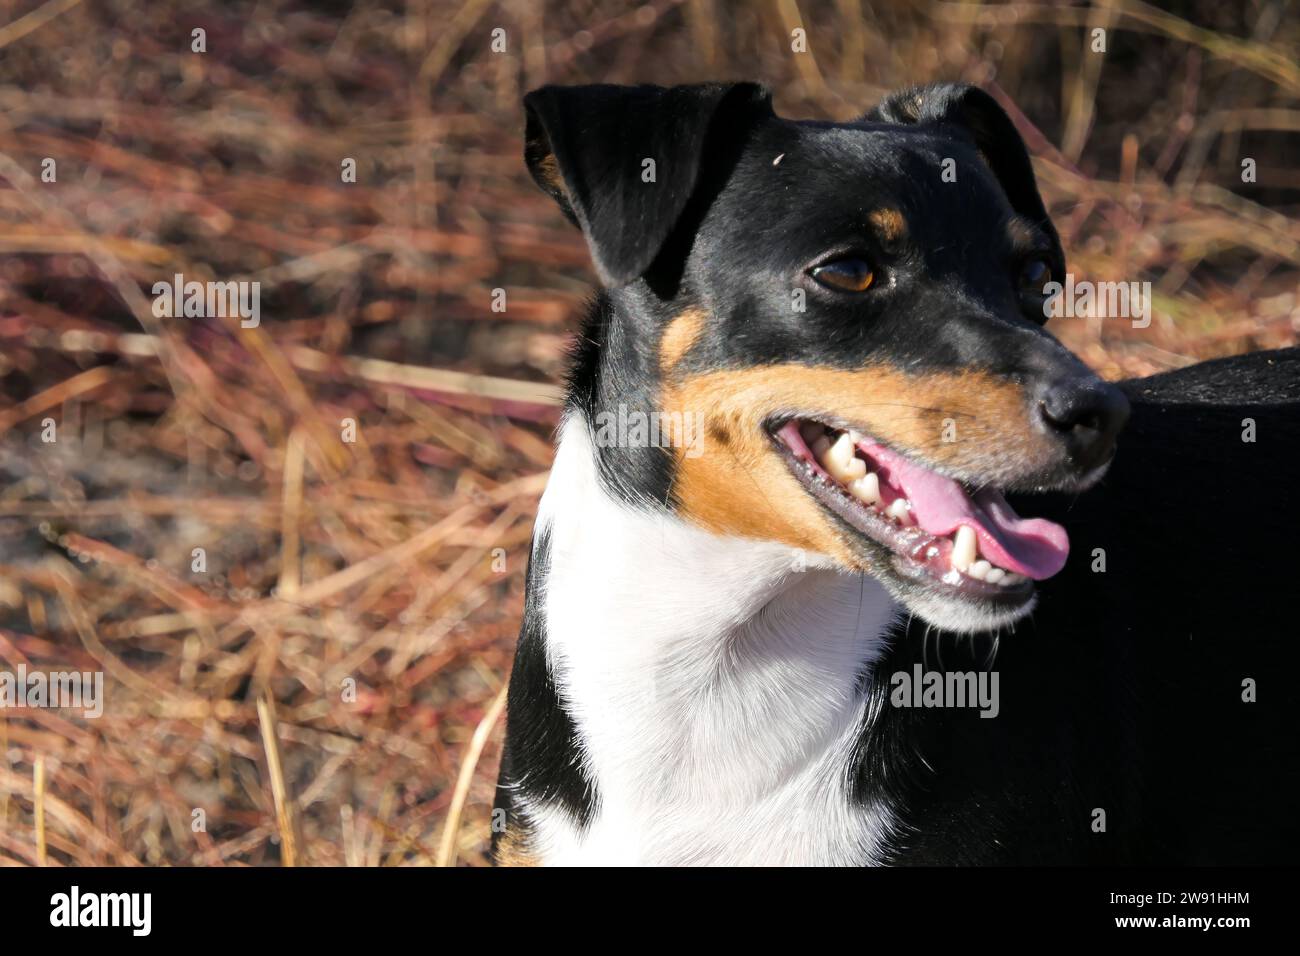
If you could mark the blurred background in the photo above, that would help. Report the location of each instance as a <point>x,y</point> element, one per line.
<point>321,683</point>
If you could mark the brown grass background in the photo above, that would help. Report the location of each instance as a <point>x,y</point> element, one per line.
<point>377,561</point>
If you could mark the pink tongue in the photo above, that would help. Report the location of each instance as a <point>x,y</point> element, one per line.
<point>1034,547</point>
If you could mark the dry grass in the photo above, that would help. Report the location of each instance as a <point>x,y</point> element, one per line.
<point>393,564</point>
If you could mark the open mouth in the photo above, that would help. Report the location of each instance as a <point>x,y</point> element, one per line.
<point>962,541</point>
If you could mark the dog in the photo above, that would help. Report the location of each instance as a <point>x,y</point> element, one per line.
<point>755,634</point>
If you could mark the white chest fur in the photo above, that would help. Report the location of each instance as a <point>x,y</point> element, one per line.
<point>716,684</point>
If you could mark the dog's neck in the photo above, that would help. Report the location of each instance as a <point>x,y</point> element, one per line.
<point>717,685</point>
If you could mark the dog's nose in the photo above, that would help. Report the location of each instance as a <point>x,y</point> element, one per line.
<point>1087,414</point>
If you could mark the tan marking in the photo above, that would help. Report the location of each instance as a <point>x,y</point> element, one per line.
<point>745,488</point>
<point>682,332</point>
<point>549,170</point>
<point>890,224</point>
<point>512,851</point>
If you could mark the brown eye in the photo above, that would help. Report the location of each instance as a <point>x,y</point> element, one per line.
<point>1034,275</point>
<point>845,275</point>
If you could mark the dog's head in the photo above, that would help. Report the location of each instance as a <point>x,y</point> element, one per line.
<point>844,320</point>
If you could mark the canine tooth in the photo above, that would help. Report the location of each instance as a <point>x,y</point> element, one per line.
<point>855,436</point>
<point>842,450</point>
<point>898,510</point>
<point>995,576</point>
<point>842,463</point>
<point>866,489</point>
<point>979,570</point>
<point>963,548</point>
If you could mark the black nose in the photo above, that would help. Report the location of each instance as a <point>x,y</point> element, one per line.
<point>1087,414</point>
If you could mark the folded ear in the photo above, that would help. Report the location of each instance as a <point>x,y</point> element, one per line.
<point>624,161</point>
<point>972,112</point>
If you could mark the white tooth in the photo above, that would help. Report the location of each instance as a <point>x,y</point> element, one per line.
<point>898,510</point>
<point>979,570</point>
<point>994,576</point>
<point>849,473</point>
<point>866,489</point>
<point>842,450</point>
<point>963,548</point>
<point>842,463</point>
<point>856,436</point>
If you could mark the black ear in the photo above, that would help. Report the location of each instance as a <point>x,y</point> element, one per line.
<point>969,111</point>
<point>587,147</point>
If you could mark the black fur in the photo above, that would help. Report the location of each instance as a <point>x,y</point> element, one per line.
<point>601,137</point>
<point>542,751</point>
<point>969,112</point>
